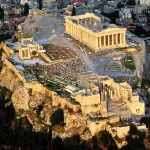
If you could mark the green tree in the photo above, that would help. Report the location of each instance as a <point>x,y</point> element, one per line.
<point>131,2</point>
<point>73,11</point>
<point>26,9</point>
<point>1,13</point>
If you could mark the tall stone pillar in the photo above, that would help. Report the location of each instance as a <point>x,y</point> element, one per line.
<point>90,39</point>
<point>93,39</point>
<point>68,26</point>
<point>124,38</point>
<point>104,41</point>
<point>111,94</point>
<point>116,39</point>
<point>112,39</point>
<point>115,93</point>
<point>71,28</point>
<point>74,30</point>
<point>96,43</point>
<point>120,38</point>
<point>99,41</point>
<point>85,36</point>
<point>108,40</point>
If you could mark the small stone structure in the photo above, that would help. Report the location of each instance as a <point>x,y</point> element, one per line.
<point>26,45</point>
<point>33,12</point>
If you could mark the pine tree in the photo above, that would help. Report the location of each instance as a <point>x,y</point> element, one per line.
<point>26,9</point>
<point>73,11</point>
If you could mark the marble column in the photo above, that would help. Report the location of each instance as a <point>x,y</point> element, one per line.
<point>96,43</point>
<point>108,40</point>
<point>112,39</point>
<point>116,39</point>
<point>71,28</point>
<point>104,41</point>
<point>115,93</point>
<point>99,41</point>
<point>90,39</point>
<point>93,39</point>
<point>124,38</point>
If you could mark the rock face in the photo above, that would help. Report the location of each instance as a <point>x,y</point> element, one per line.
<point>8,79</point>
<point>20,99</point>
<point>38,104</point>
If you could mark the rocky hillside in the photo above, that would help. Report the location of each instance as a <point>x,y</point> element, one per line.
<point>43,108</point>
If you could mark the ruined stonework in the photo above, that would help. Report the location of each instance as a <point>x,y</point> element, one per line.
<point>84,113</point>
<point>89,29</point>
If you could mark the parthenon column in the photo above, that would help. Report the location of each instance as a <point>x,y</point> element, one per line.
<point>120,38</point>
<point>124,38</point>
<point>96,43</point>
<point>115,92</point>
<point>90,39</point>
<point>99,41</point>
<point>116,39</point>
<point>73,29</point>
<point>87,37</point>
<point>77,32</point>
<point>108,40</point>
<point>68,27</point>
<point>112,39</point>
<point>104,41</point>
<point>93,39</point>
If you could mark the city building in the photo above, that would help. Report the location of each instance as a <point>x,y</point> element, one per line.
<point>125,16</point>
<point>89,30</point>
<point>77,1</point>
<point>145,2</point>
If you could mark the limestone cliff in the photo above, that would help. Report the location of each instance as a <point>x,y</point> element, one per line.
<point>40,105</point>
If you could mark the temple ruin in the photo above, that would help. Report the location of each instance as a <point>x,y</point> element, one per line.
<point>89,30</point>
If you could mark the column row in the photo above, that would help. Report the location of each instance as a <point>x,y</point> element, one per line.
<point>112,39</point>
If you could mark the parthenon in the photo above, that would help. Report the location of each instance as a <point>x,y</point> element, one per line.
<point>89,30</point>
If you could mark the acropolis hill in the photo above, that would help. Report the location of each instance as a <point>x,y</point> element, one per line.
<point>48,71</point>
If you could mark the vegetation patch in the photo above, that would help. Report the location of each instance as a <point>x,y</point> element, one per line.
<point>128,62</point>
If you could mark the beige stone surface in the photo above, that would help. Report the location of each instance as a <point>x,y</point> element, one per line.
<point>20,99</point>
